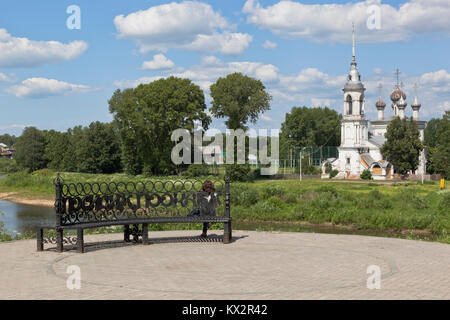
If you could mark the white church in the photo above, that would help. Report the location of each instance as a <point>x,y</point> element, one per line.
<point>362,139</point>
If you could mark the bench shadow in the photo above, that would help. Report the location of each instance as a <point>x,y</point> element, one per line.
<point>104,245</point>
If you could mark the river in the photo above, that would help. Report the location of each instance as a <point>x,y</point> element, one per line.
<point>22,218</point>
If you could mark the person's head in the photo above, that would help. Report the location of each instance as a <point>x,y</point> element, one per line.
<point>208,186</point>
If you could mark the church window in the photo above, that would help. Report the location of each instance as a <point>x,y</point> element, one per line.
<point>348,160</point>
<point>350,105</point>
<point>361,105</point>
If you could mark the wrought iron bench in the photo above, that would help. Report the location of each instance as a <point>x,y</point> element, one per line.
<point>134,205</point>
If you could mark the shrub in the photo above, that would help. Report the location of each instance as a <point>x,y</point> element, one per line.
<point>8,165</point>
<point>196,170</point>
<point>275,201</point>
<point>266,206</point>
<point>272,190</point>
<point>328,189</point>
<point>238,172</point>
<point>444,204</point>
<point>333,173</point>
<point>419,202</point>
<point>246,198</point>
<point>290,198</point>
<point>255,174</point>
<point>308,169</point>
<point>366,175</point>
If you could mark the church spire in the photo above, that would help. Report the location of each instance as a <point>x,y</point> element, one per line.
<point>354,76</point>
<point>353,42</point>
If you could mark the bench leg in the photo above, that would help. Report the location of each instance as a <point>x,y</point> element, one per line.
<point>145,233</point>
<point>59,240</point>
<point>80,240</point>
<point>126,233</point>
<point>40,240</point>
<point>227,232</point>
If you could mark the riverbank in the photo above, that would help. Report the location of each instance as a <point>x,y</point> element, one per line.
<point>410,208</point>
<point>18,197</point>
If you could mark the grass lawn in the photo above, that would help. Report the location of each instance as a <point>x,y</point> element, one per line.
<point>363,206</point>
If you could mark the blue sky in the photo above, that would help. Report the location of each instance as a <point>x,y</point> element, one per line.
<point>301,50</point>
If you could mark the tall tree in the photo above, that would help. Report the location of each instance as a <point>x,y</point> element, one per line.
<point>239,98</point>
<point>310,127</point>
<point>7,139</point>
<point>403,146</point>
<point>146,117</point>
<point>30,149</point>
<point>103,152</point>
<point>439,151</point>
<point>56,149</point>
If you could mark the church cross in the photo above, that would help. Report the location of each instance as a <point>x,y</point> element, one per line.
<point>380,87</point>
<point>397,73</point>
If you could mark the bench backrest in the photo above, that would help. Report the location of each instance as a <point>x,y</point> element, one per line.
<point>95,202</point>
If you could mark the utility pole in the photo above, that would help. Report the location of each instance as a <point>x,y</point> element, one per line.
<point>300,165</point>
<point>422,160</point>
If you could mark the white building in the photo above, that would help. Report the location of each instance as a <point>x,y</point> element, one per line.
<point>361,139</point>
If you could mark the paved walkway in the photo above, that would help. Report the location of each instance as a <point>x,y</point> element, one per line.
<point>257,265</point>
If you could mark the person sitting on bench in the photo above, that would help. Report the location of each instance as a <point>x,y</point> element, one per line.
<point>207,201</point>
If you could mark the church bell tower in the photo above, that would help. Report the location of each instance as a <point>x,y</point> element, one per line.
<point>354,125</point>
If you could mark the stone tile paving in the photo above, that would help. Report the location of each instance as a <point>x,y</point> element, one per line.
<point>257,265</point>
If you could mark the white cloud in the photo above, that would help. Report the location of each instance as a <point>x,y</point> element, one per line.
<point>211,61</point>
<point>377,71</point>
<point>22,52</point>
<point>443,107</point>
<point>159,62</point>
<point>313,87</point>
<point>7,77</point>
<point>43,88</point>
<point>210,69</point>
<point>13,126</point>
<point>135,83</point>
<point>226,43</point>
<point>438,77</point>
<point>266,118</point>
<point>269,45</point>
<point>188,25</point>
<point>332,22</point>
<point>260,71</point>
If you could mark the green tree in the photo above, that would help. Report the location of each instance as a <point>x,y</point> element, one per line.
<point>7,139</point>
<point>56,149</point>
<point>102,154</point>
<point>439,150</point>
<point>146,117</point>
<point>240,99</point>
<point>30,149</point>
<point>403,146</point>
<point>304,127</point>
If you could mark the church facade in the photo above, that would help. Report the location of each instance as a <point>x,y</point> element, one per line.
<point>362,139</point>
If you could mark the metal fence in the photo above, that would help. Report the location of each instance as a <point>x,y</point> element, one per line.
<point>312,156</point>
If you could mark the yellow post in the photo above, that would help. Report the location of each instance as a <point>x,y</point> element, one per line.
<point>442,184</point>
